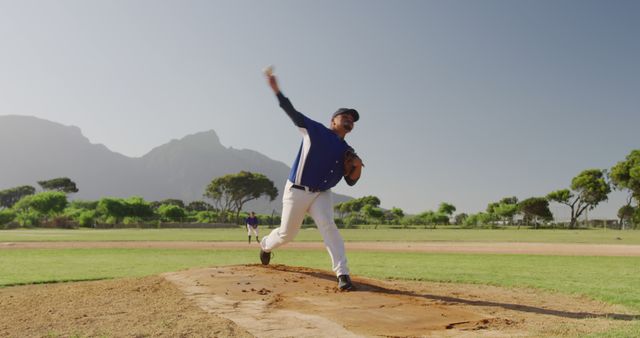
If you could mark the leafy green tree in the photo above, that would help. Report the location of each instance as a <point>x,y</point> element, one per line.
<point>394,215</point>
<point>481,218</point>
<point>440,218</point>
<point>509,200</point>
<point>426,217</point>
<point>63,184</point>
<point>113,209</point>
<point>590,189</point>
<point>231,192</point>
<point>535,209</point>
<point>432,217</point>
<point>504,210</point>
<point>470,220</point>
<point>6,216</point>
<point>206,216</point>
<point>199,206</point>
<point>137,207</point>
<point>308,220</point>
<point>626,174</point>
<point>397,213</point>
<point>9,197</point>
<point>45,203</point>
<point>170,212</point>
<point>625,215</point>
<point>87,218</point>
<point>27,217</point>
<point>84,205</point>
<point>460,218</point>
<point>446,208</point>
<point>353,207</point>
<point>353,220</point>
<point>485,218</point>
<point>83,212</point>
<point>342,209</point>
<point>372,214</point>
<point>369,200</point>
<point>356,204</point>
<point>173,201</point>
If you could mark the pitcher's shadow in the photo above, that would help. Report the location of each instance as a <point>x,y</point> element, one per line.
<point>367,287</point>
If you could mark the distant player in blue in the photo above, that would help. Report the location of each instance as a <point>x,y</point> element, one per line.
<point>318,167</point>
<point>252,226</point>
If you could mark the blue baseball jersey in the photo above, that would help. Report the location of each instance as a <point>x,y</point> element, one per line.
<point>319,163</point>
<point>252,221</point>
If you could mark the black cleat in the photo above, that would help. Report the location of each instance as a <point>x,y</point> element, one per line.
<point>265,257</point>
<point>345,284</point>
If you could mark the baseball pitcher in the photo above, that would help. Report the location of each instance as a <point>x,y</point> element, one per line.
<point>324,158</point>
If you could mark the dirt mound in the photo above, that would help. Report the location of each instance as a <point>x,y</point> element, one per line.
<point>141,307</point>
<point>276,301</point>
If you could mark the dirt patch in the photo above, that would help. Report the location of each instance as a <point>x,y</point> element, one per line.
<point>561,249</point>
<point>277,301</point>
<point>141,307</point>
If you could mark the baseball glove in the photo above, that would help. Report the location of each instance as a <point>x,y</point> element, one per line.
<point>349,156</point>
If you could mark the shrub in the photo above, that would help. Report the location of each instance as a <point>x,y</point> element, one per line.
<point>169,212</point>
<point>137,207</point>
<point>83,205</point>
<point>636,218</point>
<point>412,220</point>
<point>308,220</point>
<point>206,217</point>
<point>352,221</point>
<point>87,218</point>
<point>6,216</point>
<point>60,222</point>
<point>199,206</point>
<point>27,218</point>
<point>45,203</point>
<point>132,220</point>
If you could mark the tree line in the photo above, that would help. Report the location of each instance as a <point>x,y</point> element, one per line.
<point>51,207</point>
<point>228,194</point>
<point>586,190</point>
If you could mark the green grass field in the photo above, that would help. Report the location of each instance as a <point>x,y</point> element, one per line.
<point>594,236</point>
<point>611,279</point>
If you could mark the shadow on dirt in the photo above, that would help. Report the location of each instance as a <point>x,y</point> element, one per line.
<point>367,287</point>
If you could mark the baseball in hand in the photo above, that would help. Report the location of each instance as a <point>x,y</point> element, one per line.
<point>268,71</point>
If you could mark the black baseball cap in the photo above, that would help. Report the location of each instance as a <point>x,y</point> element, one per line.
<point>352,112</point>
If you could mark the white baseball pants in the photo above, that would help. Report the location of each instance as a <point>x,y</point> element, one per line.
<point>295,204</point>
<point>251,230</point>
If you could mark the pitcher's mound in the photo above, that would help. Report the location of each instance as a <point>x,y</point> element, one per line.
<point>277,301</point>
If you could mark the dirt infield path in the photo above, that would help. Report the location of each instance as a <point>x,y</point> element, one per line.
<point>277,301</point>
<point>130,307</point>
<point>432,247</point>
<point>283,301</point>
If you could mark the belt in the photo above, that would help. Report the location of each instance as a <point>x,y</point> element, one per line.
<point>302,187</point>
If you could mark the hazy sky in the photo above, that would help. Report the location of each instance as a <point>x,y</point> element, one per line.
<point>460,101</point>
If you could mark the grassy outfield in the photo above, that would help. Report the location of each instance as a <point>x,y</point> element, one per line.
<point>239,234</point>
<point>610,279</point>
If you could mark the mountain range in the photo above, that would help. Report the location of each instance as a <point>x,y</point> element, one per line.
<point>33,149</point>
